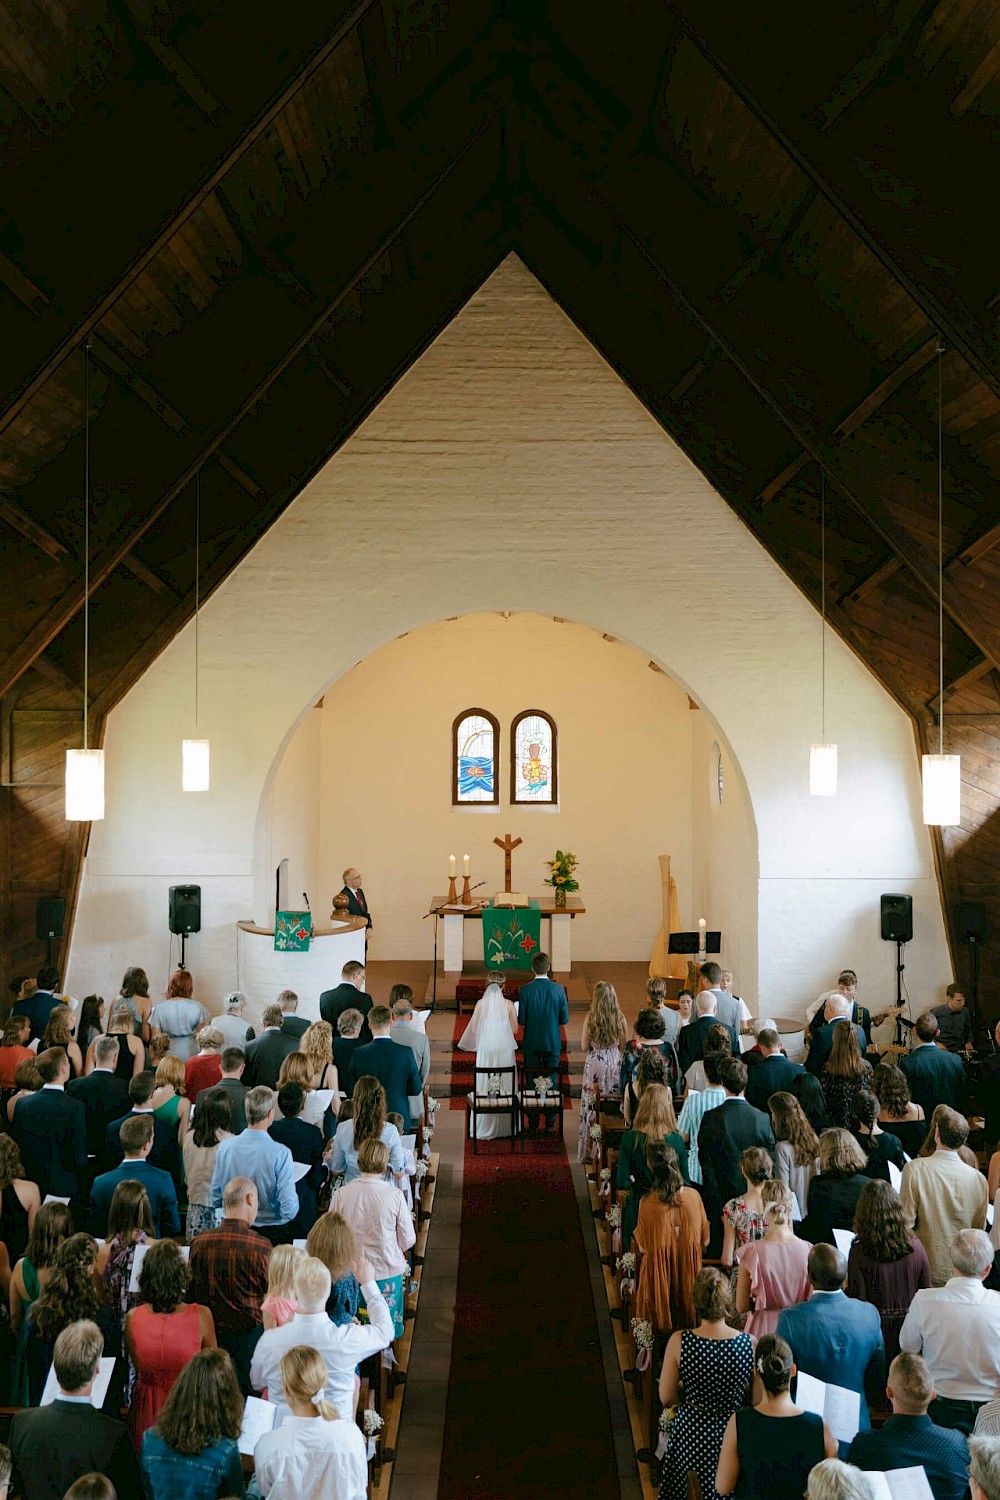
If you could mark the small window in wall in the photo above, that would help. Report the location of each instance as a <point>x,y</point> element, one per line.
<point>533,759</point>
<point>717,775</point>
<point>475,757</point>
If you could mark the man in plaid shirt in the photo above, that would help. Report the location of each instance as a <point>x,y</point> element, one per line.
<point>229,1274</point>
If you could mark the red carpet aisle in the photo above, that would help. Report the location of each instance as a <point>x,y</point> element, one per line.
<point>527,1403</point>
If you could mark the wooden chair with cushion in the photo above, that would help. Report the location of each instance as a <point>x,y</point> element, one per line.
<point>493,1093</point>
<point>552,1102</point>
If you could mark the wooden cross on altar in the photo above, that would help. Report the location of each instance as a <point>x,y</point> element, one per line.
<point>507,844</point>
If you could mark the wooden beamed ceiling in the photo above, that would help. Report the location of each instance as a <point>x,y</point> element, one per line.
<point>257,222</point>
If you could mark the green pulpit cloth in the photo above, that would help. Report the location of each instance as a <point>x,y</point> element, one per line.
<point>511,937</point>
<point>292,931</point>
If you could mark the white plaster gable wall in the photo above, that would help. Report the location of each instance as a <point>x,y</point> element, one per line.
<point>511,469</point>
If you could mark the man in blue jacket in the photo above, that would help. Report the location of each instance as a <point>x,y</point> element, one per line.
<point>136,1135</point>
<point>541,1009</point>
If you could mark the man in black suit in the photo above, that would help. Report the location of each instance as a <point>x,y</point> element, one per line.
<point>773,1074</point>
<point>691,1040</point>
<point>40,1004</point>
<point>392,1063</point>
<point>934,1075</point>
<point>51,1130</point>
<point>136,1138</point>
<point>231,1083</point>
<point>838,1008</point>
<point>54,1446</point>
<point>346,1042</point>
<point>724,1134</point>
<point>165,1153</point>
<point>291,1023</point>
<point>357,904</point>
<point>909,1439</point>
<point>268,1052</point>
<point>103,1095</point>
<point>350,994</point>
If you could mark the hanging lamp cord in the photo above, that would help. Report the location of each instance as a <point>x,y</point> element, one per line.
<point>197,585</point>
<point>822,592</point>
<point>86,546</point>
<point>940,521</point>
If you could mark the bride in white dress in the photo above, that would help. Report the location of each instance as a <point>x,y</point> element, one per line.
<point>490,1035</point>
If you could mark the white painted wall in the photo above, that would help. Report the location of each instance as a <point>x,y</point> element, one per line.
<point>511,469</point>
<point>724,854</point>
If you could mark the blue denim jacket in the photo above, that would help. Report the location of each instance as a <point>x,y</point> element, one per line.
<point>168,1475</point>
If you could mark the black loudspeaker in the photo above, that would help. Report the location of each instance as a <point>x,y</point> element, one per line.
<point>897,918</point>
<point>49,917</point>
<point>971,922</point>
<point>185,908</point>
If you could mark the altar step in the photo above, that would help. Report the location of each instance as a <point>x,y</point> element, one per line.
<point>577,985</point>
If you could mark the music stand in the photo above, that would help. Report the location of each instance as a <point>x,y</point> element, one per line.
<point>690,942</point>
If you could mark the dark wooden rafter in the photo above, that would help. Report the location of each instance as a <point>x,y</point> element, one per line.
<point>267,118</point>
<point>938,307</point>
<point>105,563</point>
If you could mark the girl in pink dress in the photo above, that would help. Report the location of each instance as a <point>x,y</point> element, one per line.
<point>773,1271</point>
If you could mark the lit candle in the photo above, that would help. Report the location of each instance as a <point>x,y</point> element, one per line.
<point>466,864</point>
<point>452,866</point>
<point>702,924</point>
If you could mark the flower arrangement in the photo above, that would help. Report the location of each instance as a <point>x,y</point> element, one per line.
<point>626,1264</point>
<point>642,1332</point>
<point>542,1085</point>
<point>373,1422</point>
<point>421,1170</point>
<point>432,1104</point>
<point>615,1216</point>
<point>561,870</point>
<point>595,1134</point>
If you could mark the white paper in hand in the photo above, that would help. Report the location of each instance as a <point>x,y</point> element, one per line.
<point>839,1407</point>
<point>419,1020</point>
<point>258,1418</point>
<point>895,1182</point>
<point>844,1239</point>
<point>137,1260</point>
<point>97,1395</point>
<point>299,1170</point>
<point>901,1484</point>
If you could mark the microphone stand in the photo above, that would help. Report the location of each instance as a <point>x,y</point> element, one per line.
<point>435,912</point>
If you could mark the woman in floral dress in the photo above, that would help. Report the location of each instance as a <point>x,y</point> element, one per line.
<point>604,1035</point>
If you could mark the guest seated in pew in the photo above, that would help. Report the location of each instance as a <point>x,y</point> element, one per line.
<point>341,1348</point>
<point>909,1439</point>
<point>20,1201</point>
<point>671,1235</point>
<point>708,1370</point>
<point>897,1112</point>
<point>70,1296</point>
<point>743,1216</point>
<point>796,1148</point>
<point>279,1306</point>
<point>332,1240</point>
<point>956,1328</point>
<point>887,1265</point>
<point>162,1333</point>
<point>761,1457</point>
<point>833,1195</point>
<point>316,1453</point>
<point>654,1123</point>
<point>773,1271</point>
<point>879,1145</point>
<point>52,1446</point>
<point>377,1212</point>
<point>602,1039</point>
<point>836,1339</point>
<point>193,1449</point>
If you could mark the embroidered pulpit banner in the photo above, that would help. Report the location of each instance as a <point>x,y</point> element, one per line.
<point>511,938</point>
<point>292,931</point>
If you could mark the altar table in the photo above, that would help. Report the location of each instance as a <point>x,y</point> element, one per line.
<point>560,920</point>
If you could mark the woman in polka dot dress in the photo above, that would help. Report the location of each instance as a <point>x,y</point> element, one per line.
<point>714,1366</point>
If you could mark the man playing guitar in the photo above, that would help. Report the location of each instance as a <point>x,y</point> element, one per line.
<point>847,985</point>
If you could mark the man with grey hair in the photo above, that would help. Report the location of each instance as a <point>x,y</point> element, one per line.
<point>691,1041</point>
<point>266,1054</point>
<point>909,1439</point>
<point>838,1008</point>
<point>268,1165</point>
<point>956,1328</point>
<point>53,1445</point>
<point>232,1023</point>
<point>404,1031</point>
<point>104,1098</point>
<point>984,1468</point>
<point>834,1480</point>
<point>346,1041</point>
<point>291,1024</point>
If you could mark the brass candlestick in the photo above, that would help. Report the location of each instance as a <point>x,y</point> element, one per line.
<point>466,893</point>
<point>452,891</point>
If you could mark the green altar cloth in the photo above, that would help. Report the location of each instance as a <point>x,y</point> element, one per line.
<point>511,937</point>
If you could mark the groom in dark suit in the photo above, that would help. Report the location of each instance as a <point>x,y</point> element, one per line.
<point>542,1008</point>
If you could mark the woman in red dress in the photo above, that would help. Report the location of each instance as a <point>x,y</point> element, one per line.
<point>162,1333</point>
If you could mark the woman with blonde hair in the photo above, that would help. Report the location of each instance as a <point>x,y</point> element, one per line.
<point>131,1053</point>
<point>671,1236</point>
<point>654,1121</point>
<point>280,1306</point>
<point>382,1222</point>
<point>332,1240</point>
<point>604,1035</point>
<point>167,1099</point>
<point>834,1194</point>
<point>845,1074</point>
<point>317,1044</point>
<point>315,1454</point>
<point>204,1070</point>
<point>297,1068</point>
<point>59,1033</point>
<point>367,1123</point>
<point>796,1147</point>
<point>773,1271</point>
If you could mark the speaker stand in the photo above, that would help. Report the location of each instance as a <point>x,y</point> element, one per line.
<point>184,937</point>
<point>900,966</point>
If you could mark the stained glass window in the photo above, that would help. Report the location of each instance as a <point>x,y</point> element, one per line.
<point>533,766</point>
<point>475,754</point>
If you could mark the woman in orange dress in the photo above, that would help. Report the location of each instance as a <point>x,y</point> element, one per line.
<point>672,1233</point>
<point>162,1333</point>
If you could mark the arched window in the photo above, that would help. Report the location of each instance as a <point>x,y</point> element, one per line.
<point>534,768</point>
<point>475,758</point>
